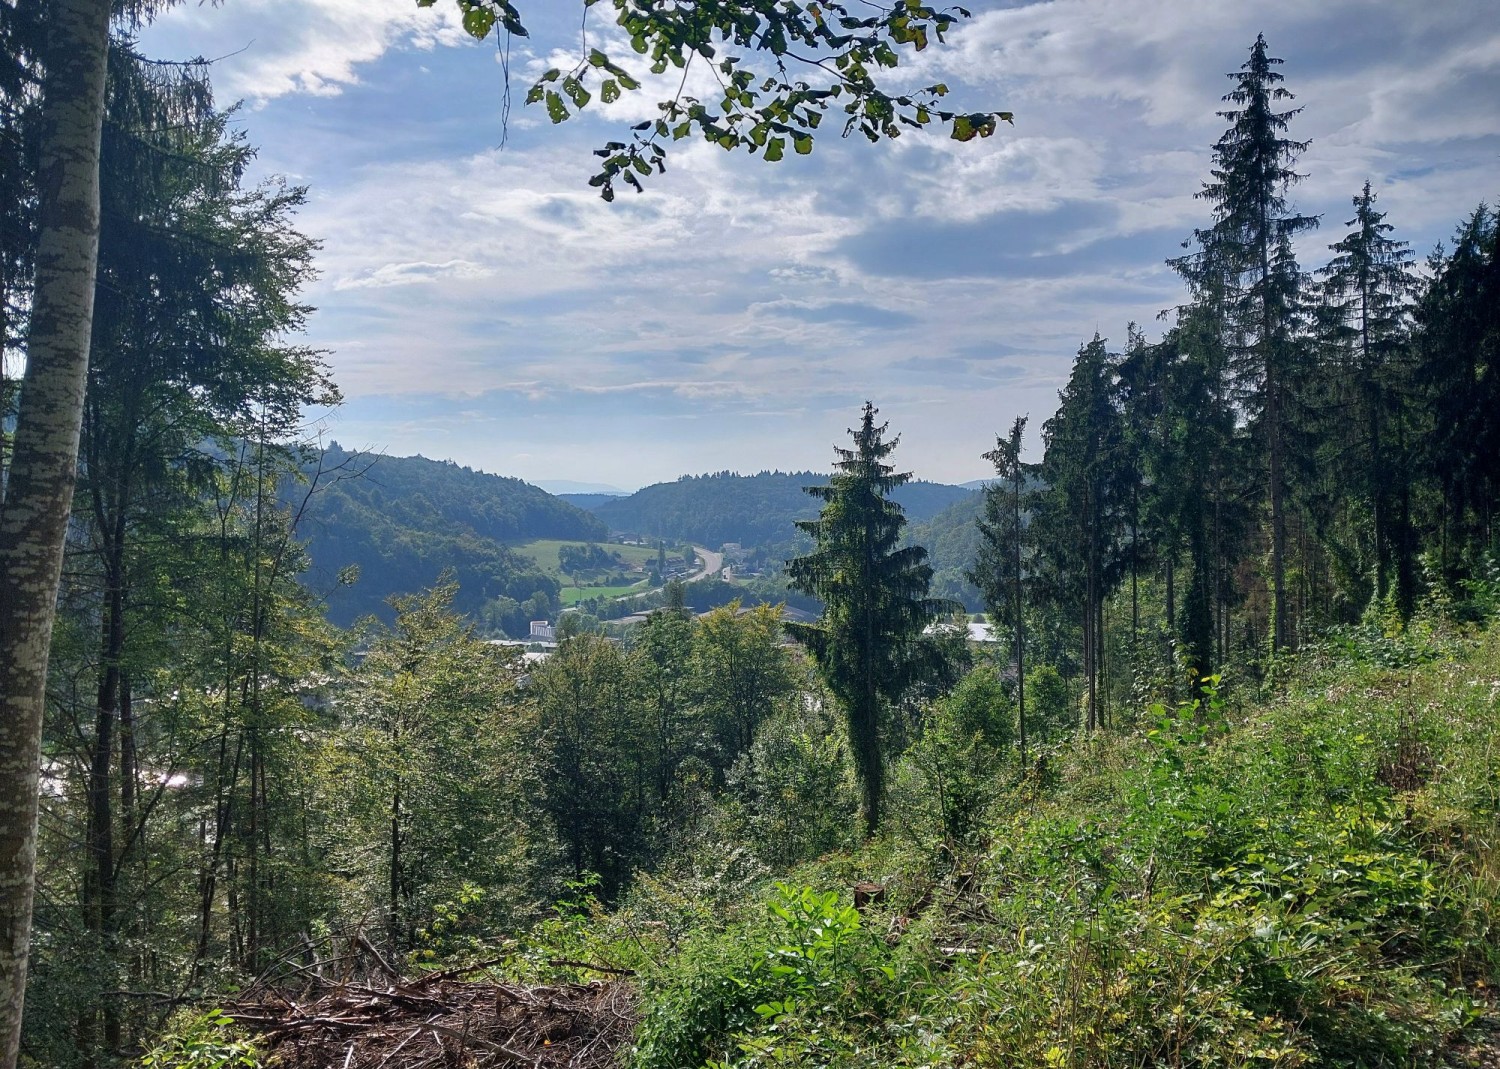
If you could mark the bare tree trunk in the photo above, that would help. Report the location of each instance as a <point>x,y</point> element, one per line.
<point>39,490</point>
<point>1019,604</point>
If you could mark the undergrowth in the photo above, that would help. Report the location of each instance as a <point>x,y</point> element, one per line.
<point>1308,882</point>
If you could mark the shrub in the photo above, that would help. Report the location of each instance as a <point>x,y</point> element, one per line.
<point>203,1041</point>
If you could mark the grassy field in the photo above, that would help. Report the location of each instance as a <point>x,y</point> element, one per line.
<point>572,595</point>
<point>544,553</point>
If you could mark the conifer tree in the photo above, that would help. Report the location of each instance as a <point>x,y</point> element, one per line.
<point>1366,292</point>
<point>1249,246</point>
<point>869,645</point>
<point>1078,515</point>
<point>999,571</point>
<point>1458,346</point>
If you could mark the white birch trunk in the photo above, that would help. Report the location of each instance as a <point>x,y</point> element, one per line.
<point>39,491</point>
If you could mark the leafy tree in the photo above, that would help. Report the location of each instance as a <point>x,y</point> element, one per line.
<point>792,797</point>
<point>1053,711</point>
<point>663,648</point>
<point>964,744</point>
<point>869,646</point>
<point>744,675</point>
<point>44,454</point>
<point>196,288</point>
<point>432,755</point>
<point>598,776</point>
<point>842,46</point>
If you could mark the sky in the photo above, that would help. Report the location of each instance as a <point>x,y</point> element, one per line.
<point>478,301</point>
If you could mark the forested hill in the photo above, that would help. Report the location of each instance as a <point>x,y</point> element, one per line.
<point>404,520</point>
<point>753,510</point>
<point>951,539</point>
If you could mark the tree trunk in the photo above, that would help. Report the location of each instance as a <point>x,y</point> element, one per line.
<point>39,490</point>
<point>1020,610</point>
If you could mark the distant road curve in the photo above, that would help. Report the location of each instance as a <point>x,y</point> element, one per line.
<point>712,563</point>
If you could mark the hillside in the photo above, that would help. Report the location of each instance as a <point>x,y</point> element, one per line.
<point>753,510</point>
<point>952,543</point>
<point>1300,877</point>
<point>403,521</point>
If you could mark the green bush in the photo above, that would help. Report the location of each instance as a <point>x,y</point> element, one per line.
<point>778,991</point>
<point>203,1041</point>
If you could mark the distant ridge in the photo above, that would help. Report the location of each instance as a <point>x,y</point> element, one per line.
<point>589,502</point>
<point>567,488</point>
<point>403,521</point>
<point>753,510</point>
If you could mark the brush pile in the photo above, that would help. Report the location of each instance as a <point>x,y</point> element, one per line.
<point>443,1021</point>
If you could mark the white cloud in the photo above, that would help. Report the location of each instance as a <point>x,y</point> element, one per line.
<point>273,48</point>
<point>765,300</point>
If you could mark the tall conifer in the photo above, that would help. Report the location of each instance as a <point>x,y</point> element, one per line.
<point>1366,291</point>
<point>869,645</point>
<point>999,571</point>
<point>1249,246</point>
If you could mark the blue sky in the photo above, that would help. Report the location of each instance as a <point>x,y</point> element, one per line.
<point>481,303</point>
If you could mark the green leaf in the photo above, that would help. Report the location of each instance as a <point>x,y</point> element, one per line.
<point>557,111</point>
<point>577,93</point>
<point>609,91</point>
<point>775,148</point>
<point>478,21</point>
<point>802,144</point>
<point>963,128</point>
<point>598,58</point>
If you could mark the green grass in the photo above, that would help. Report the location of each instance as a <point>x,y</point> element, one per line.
<point>572,595</point>
<point>544,553</point>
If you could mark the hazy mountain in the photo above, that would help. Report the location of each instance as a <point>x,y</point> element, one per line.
<point>567,488</point>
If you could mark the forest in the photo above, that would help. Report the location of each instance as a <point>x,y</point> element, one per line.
<point>1219,789</point>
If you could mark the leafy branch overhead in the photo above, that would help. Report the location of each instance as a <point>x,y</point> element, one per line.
<point>818,59</point>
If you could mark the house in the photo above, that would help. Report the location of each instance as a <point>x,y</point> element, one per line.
<point>542,631</point>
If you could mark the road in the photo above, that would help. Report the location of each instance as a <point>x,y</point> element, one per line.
<point>713,563</point>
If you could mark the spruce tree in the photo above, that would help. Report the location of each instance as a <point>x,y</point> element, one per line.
<point>1078,517</point>
<point>869,645</point>
<point>1458,346</point>
<point>1366,292</point>
<point>1249,248</point>
<point>999,571</point>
